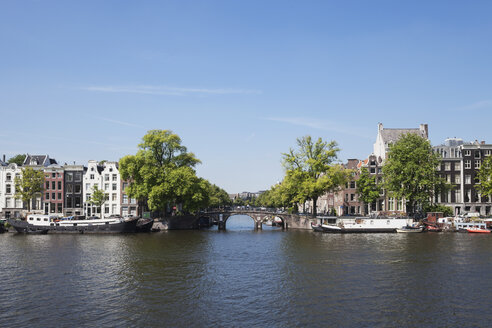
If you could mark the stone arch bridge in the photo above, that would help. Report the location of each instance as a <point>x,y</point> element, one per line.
<point>294,221</point>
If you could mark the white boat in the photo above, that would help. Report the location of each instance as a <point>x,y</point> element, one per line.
<point>366,224</point>
<point>37,223</point>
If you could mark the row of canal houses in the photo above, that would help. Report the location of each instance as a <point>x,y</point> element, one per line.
<point>459,165</point>
<point>67,189</point>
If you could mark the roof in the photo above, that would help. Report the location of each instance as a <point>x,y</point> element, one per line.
<point>393,135</point>
<point>42,160</point>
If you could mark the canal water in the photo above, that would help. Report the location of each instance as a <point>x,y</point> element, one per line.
<point>246,278</point>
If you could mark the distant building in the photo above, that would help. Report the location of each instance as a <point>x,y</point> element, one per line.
<point>73,189</point>
<point>459,165</point>
<point>38,162</point>
<point>54,189</point>
<point>129,206</point>
<point>386,137</point>
<point>106,177</point>
<point>9,206</point>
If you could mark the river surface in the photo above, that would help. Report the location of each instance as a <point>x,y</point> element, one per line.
<point>246,278</point>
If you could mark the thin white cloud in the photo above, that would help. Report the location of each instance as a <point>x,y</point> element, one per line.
<point>484,104</point>
<point>121,122</point>
<point>318,125</point>
<point>167,91</point>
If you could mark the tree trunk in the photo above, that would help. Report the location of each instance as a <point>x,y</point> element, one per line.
<point>315,208</point>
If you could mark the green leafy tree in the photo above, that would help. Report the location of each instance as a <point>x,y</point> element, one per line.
<point>17,159</point>
<point>218,197</point>
<point>484,177</point>
<point>446,210</point>
<point>98,198</point>
<point>29,185</point>
<point>162,174</point>
<point>367,188</point>
<point>410,172</point>
<point>311,171</point>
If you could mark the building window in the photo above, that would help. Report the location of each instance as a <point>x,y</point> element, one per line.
<point>53,175</point>
<point>115,177</point>
<point>447,166</point>
<point>69,189</point>
<point>60,209</point>
<point>477,153</point>
<point>47,197</point>
<point>87,186</point>
<point>448,178</point>
<point>9,177</point>
<point>106,209</point>
<point>78,188</point>
<point>53,185</point>
<point>468,164</point>
<point>113,197</point>
<point>78,176</point>
<point>457,196</point>
<point>352,184</point>
<point>47,185</point>
<point>457,166</point>
<point>115,186</point>
<point>133,201</point>
<point>125,199</point>
<point>113,209</point>
<point>352,197</point>
<point>7,202</point>
<point>69,177</point>
<point>92,176</point>
<point>457,179</point>
<point>373,170</point>
<point>467,179</point>
<point>77,201</point>
<point>477,164</point>
<point>487,152</point>
<point>8,189</point>
<point>125,184</point>
<point>59,195</point>
<point>106,177</point>
<point>59,185</point>
<point>106,186</point>
<point>468,152</point>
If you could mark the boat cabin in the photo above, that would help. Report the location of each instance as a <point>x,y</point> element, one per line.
<point>38,219</point>
<point>469,225</point>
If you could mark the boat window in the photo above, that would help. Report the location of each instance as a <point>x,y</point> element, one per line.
<point>75,224</point>
<point>388,222</point>
<point>45,219</point>
<point>107,222</point>
<point>31,219</point>
<point>372,221</point>
<point>38,219</point>
<point>52,224</point>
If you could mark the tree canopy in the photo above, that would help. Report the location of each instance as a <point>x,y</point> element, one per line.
<point>98,198</point>
<point>162,174</point>
<point>17,159</point>
<point>410,171</point>
<point>311,171</point>
<point>29,185</point>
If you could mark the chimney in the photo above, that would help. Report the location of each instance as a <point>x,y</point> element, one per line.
<point>380,126</point>
<point>482,142</point>
<point>425,129</point>
<point>3,158</point>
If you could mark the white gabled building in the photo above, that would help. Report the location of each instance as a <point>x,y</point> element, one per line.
<point>107,178</point>
<point>9,206</point>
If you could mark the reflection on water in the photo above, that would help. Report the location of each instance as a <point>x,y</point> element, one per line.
<point>243,278</point>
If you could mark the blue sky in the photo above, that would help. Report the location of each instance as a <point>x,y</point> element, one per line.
<point>239,81</point>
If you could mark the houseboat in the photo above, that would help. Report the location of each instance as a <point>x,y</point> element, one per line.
<point>376,224</point>
<point>37,223</point>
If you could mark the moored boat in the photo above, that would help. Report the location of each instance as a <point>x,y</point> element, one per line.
<point>36,223</point>
<point>377,224</point>
<point>410,229</point>
<point>144,225</point>
<point>478,230</point>
<point>2,226</point>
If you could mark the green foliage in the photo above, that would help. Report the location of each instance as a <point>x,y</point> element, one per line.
<point>218,197</point>
<point>446,210</point>
<point>162,174</point>
<point>410,171</point>
<point>310,171</point>
<point>17,159</point>
<point>98,198</point>
<point>484,177</point>
<point>29,185</point>
<point>367,188</point>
